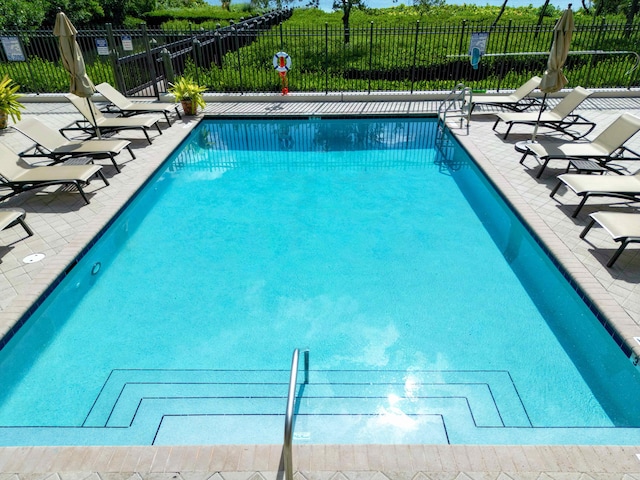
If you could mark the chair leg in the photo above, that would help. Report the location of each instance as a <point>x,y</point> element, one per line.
<point>133,157</point>
<point>613,259</point>
<point>113,160</point>
<point>103,178</point>
<point>542,167</point>
<point>555,189</point>
<point>526,153</point>
<point>577,210</point>
<point>158,128</point>
<point>146,134</point>
<point>506,134</point>
<point>166,116</point>
<point>587,228</point>
<point>84,196</point>
<point>25,226</point>
<point>178,112</point>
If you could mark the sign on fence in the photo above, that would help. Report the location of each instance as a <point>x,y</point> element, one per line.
<point>127,43</point>
<point>12,49</point>
<point>101,45</point>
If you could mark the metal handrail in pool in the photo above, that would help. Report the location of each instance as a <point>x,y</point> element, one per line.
<point>288,419</point>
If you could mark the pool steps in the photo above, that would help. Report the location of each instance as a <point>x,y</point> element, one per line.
<point>166,407</point>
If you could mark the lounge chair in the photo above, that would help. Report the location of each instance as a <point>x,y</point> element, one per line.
<point>50,143</point>
<point>587,186</point>
<point>623,227</point>
<point>517,101</point>
<point>19,177</point>
<point>607,146</point>
<point>10,217</point>
<point>558,118</point>
<point>125,107</point>
<point>94,119</point>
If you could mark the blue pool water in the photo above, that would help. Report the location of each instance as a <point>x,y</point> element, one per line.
<point>430,313</point>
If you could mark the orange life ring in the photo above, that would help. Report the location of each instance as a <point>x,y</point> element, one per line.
<point>282,62</point>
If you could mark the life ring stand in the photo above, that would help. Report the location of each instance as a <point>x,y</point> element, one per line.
<point>282,64</point>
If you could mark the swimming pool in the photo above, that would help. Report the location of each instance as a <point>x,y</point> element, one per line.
<point>430,313</point>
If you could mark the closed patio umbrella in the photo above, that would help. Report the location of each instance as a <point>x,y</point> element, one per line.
<point>553,79</point>
<point>72,60</point>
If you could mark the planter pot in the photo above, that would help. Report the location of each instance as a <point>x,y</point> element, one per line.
<point>4,120</point>
<point>189,107</point>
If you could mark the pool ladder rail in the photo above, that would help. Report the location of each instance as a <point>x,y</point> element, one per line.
<point>458,104</point>
<point>290,413</point>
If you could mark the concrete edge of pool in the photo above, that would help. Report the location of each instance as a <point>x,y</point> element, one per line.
<point>321,461</point>
<point>347,462</point>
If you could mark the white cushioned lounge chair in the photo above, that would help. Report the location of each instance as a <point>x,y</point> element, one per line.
<point>559,118</point>
<point>126,107</point>
<point>624,227</point>
<point>605,147</point>
<point>518,101</point>
<point>587,186</point>
<point>50,143</point>
<point>18,177</point>
<point>94,119</point>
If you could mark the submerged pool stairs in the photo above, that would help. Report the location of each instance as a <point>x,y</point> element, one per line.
<point>170,407</point>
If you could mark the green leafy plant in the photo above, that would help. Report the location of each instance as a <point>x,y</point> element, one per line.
<point>184,89</point>
<point>9,104</point>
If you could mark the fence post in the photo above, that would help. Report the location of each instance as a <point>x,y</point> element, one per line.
<point>592,57</point>
<point>326,58</point>
<point>114,57</point>
<point>150,63</point>
<point>370,57</point>
<point>458,62</point>
<point>504,50</point>
<point>237,45</point>
<point>415,56</point>
<point>196,51</point>
<point>168,66</point>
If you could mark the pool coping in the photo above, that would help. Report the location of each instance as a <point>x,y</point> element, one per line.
<point>326,461</point>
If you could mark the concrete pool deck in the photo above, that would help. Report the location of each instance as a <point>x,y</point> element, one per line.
<point>63,226</point>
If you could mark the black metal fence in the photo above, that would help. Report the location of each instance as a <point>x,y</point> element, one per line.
<point>238,58</point>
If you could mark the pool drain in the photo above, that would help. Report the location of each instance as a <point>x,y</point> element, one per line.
<point>33,258</point>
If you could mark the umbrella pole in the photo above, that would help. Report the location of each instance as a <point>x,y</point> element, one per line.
<point>535,128</point>
<point>93,117</point>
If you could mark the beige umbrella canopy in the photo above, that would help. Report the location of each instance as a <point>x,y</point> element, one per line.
<point>73,61</point>
<point>553,79</point>
<point>72,58</point>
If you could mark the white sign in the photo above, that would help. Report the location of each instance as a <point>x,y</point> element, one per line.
<point>101,45</point>
<point>127,43</point>
<point>12,49</point>
<point>479,41</point>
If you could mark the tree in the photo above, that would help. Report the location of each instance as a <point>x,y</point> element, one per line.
<point>424,6</point>
<point>346,6</point>
<point>22,14</point>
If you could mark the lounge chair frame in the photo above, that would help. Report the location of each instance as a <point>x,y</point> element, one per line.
<point>607,221</point>
<point>10,217</point>
<point>562,117</point>
<point>18,185</point>
<point>606,147</point>
<point>107,126</point>
<point>58,153</point>
<point>632,195</point>
<point>125,107</point>
<point>518,101</point>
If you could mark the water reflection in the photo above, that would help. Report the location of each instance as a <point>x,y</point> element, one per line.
<point>291,144</point>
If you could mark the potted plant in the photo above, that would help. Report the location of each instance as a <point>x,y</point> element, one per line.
<point>9,104</point>
<point>189,93</point>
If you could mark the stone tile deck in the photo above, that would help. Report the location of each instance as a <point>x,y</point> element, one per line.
<point>63,226</point>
